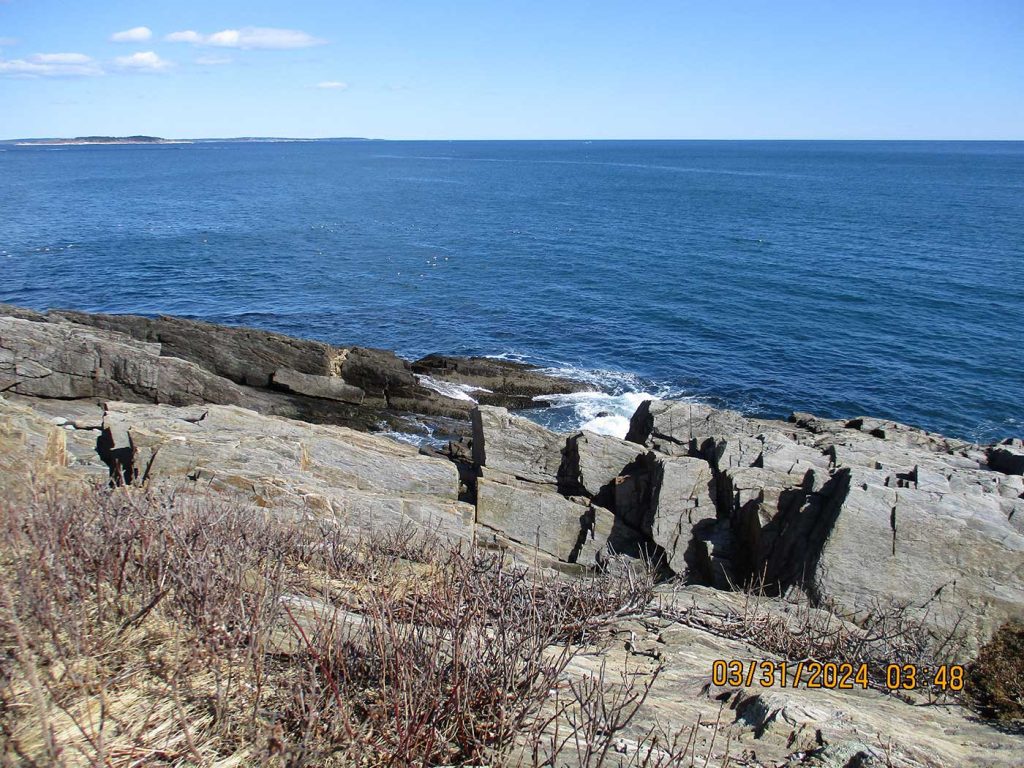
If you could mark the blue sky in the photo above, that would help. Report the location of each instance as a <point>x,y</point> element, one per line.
<point>604,69</point>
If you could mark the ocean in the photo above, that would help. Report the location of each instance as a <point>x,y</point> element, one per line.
<point>841,278</point>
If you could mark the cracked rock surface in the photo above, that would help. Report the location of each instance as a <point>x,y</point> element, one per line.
<point>848,514</point>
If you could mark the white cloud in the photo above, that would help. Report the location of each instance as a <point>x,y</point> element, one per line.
<point>133,35</point>
<point>214,61</point>
<point>4,41</point>
<point>51,65</point>
<point>265,38</point>
<point>61,58</point>
<point>188,36</point>
<point>332,85</point>
<point>144,61</point>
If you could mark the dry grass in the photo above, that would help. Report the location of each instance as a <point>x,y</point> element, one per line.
<point>145,628</point>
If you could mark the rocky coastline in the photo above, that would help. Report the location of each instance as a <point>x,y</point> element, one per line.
<point>844,516</point>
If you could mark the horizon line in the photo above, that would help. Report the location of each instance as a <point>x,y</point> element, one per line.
<point>244,137</point>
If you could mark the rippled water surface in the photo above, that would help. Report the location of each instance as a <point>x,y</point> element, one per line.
<point>842,278</point>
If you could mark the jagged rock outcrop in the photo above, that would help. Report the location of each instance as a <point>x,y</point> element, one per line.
<point>852,512</point>
<point>590,493</point>
<point>324,473</point>
<point>592,462</point>
<point>858,513</point>
<point>676,428</point>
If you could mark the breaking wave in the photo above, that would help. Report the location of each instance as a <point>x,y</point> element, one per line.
<point>598,412</point>
<point>450,388</point>
<point>427,437</point>
<point>607,408</point>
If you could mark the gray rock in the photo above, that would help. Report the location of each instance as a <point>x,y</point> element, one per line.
<point>664,498</point>
<point>66,361</point>
<point>861,513</point>
<point>592,462</point>
<point>513,444</point>
<point>534,517</point>
<point>759,502</point>
<point>675,428</point>
<point>683,497</point>
<point>326,387</point>
<point>243,355</point>
<point>941,554</point>
<point>501,383</point>
<point>379,373</point>
<point>364,481</point>
<point>34,450</point>
<point>169,360</point>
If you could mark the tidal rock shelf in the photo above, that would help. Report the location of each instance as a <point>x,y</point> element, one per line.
<point>174,361</point>
<point>848,512</point>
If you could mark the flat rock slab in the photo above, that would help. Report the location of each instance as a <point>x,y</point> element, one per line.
<point>244,355</point>
<point>367,482</point>
<point>325,387</point>
<point>65,354</point>
<point>66,361</point>
<point>533,516</point>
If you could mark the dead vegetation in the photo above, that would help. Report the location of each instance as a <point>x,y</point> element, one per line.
<point>995,681</point>
<point>149,627</point>
<point>885,634</point>
<point>146,628</point>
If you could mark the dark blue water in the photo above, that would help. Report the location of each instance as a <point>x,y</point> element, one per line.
<point>843,278</point>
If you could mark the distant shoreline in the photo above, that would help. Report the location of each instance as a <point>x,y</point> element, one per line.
<point>82,141</point>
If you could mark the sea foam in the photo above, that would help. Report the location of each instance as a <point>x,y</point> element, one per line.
<point>450,389</point>
<point>600,412</point>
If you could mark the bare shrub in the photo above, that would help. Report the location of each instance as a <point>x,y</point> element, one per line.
<point>596,726</point>
<point>887,633</point>
<point>154,627</point>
